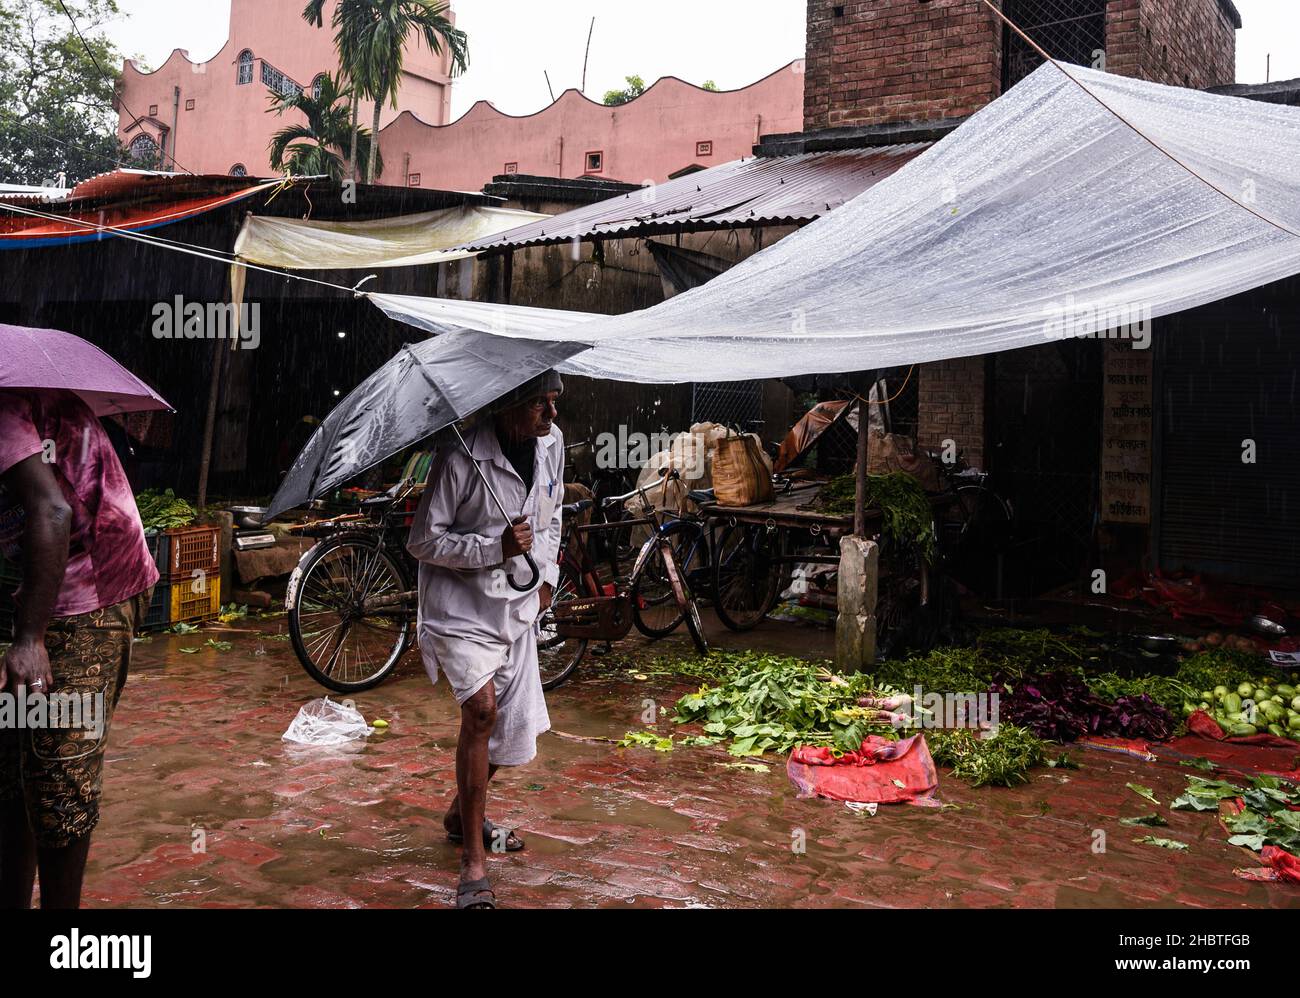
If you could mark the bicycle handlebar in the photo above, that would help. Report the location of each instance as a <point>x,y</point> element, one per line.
<point>668,474</point>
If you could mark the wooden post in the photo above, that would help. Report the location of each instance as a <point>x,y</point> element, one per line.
<point>860,499</point>
<point>210,421</point>
<point>856,587</point>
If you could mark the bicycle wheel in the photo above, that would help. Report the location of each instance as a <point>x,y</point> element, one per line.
<point>347,621</point>
<point>655,607</point>
<point>694,625</point>
<point>558,657</point>
<point>746,576</point>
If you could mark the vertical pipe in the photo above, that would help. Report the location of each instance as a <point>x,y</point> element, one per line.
<point>176,120</point>
<point>864,432</point>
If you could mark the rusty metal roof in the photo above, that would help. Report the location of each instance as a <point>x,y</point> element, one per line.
<point>760,191</point>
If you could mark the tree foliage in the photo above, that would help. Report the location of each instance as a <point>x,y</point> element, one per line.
<point>634,89</point>
<point>371,37</point>
<point>56,106</point>
<point>319,145</point>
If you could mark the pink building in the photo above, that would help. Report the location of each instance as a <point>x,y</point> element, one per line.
<point>673,127</point>
<point>211,116</point>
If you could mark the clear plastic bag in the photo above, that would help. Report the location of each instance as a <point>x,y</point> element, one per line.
<point>324,723</point>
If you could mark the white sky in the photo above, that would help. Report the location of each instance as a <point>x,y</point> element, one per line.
<point>733,42</point>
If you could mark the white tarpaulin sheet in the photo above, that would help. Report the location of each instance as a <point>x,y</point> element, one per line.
<point>400,241</point>
<point>1040,215</point>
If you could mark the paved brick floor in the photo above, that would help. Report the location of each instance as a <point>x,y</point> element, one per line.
<point>196,749</point>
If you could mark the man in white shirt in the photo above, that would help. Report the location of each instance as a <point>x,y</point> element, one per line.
<point>473,627</point>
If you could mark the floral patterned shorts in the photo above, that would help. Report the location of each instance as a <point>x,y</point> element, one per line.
<point>59,770</point>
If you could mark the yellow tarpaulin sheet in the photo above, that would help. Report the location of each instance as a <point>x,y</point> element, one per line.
<point>401,241</point>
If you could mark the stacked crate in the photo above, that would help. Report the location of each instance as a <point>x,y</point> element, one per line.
<point>189,576</point>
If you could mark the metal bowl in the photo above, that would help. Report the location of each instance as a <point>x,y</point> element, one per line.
<point>1159,643</point>
<point>248,517</point>
<point>1269,628</point>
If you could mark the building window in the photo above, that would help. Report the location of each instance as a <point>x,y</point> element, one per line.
<point>1070,30</point>
<point>317,86</point>
<point>413,180</point>
<point>595,162</point>
<point>277,81</point>
<point>239,170</point>
<point>143,149</point>
<point>704,149</point>
<point>511,168</point>
<point>245,68</point>
<point>189,105</point>
<point>153,110</point>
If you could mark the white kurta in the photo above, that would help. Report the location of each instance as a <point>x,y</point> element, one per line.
<point>473,627</point>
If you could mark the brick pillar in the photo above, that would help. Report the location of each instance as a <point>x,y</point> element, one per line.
<point>950,406</point>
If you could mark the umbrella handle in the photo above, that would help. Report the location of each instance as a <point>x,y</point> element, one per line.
<point>532,567</point>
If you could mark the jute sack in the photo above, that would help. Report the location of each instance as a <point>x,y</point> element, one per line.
<point>889,452</point>
<point>741,475</point>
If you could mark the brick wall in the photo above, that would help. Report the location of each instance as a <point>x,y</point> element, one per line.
<point>951,406</point>
<point>889,61</point>
<point>1184,43</point>
<point>898,60</point>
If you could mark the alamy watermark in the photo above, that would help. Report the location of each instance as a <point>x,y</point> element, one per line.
<point>40,711</point>
<point>923,710</point>
<point>181,320</point>
<point>620,451</point>
<point>1075,319</point>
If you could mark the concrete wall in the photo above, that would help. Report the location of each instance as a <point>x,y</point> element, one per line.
<point>645,140</point>
<point>228,123</point>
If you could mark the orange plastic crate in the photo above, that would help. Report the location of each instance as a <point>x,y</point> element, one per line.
<point>189,606</point>
<point>193,549</point>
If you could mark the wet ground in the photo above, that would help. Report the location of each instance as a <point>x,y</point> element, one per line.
<point>206,806</point>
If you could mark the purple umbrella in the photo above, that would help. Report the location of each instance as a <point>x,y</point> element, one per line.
<point>48,359</point>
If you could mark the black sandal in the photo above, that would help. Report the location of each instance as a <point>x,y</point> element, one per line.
<point>489,838</point>
<point>469,894</point>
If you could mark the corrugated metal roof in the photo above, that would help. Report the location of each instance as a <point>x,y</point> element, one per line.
<point>762,191</point>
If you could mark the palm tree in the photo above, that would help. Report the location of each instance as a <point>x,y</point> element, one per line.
<point>348,18</point>
<point>386,28</point>
<point>308,150</point>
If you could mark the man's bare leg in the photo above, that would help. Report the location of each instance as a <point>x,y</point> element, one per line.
<point>17,856</point>
<point>451,820</point>
<point>62,872</point>
<point>478,717</point>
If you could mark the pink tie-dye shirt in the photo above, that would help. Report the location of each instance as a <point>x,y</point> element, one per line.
<point>108,558</point>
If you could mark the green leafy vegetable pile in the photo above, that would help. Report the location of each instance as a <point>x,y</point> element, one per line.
<point>905,508</point>
<point>768,703</point>
<point>1000,761</point>
<point>1267,817</point>
<point>163,510</point>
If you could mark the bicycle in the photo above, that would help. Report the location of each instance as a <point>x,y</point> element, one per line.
<point>352,602</point>
<point>656,597</point>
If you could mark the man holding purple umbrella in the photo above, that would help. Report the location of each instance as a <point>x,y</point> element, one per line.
<point>68,517</point>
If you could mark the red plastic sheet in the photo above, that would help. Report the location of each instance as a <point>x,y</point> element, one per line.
<point>881,772</point>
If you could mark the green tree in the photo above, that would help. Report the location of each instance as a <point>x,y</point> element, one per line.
<point>317,146</point>
<point>56,107</point>
<point>709,85</point>
<point>371,38</point>
<point>635,88</point>
<point>347,22</point>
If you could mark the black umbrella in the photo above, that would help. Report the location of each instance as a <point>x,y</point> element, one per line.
<point>427,387</point>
